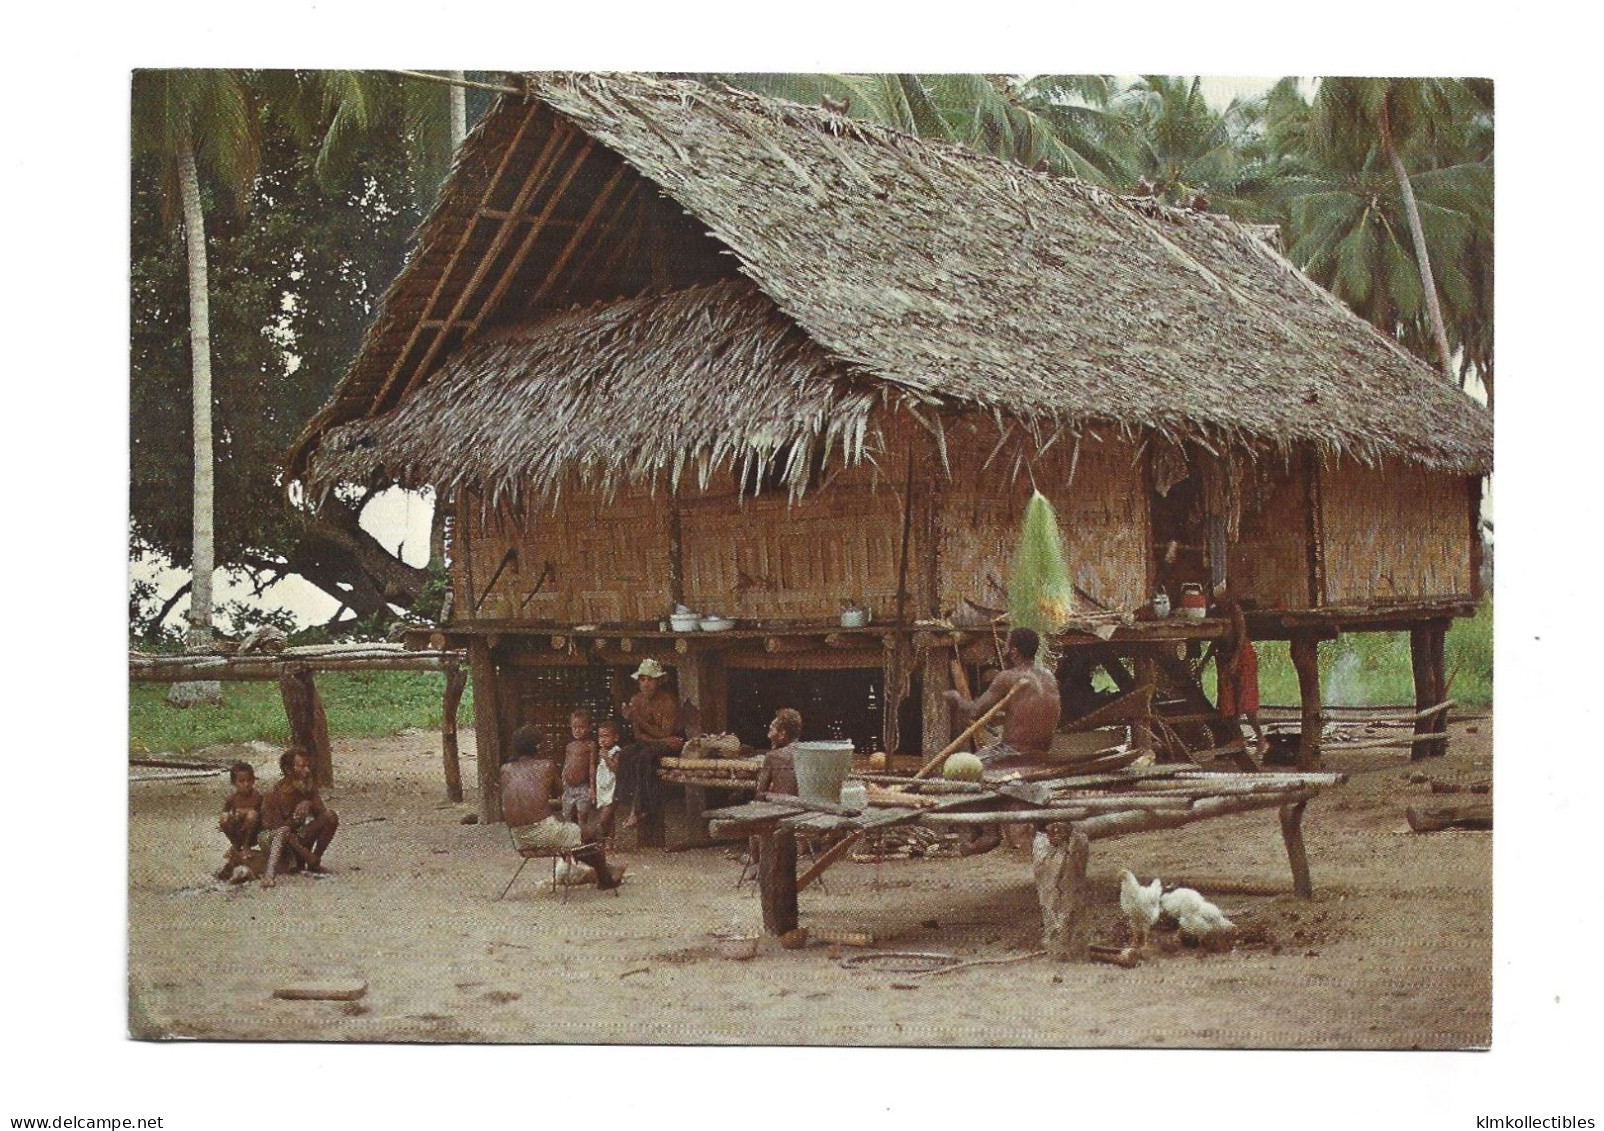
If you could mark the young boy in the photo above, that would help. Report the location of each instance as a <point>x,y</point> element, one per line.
<point>579,770</point>
<point>242,817</point>
<point>609,736</point>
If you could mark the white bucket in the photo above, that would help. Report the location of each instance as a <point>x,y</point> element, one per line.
<point>821,769</point>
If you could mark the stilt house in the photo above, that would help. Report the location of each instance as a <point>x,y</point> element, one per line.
<point>661,344</point>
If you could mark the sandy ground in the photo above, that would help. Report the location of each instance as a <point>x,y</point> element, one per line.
<point>1393,951</point>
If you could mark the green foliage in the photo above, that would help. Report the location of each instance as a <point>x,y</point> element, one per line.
<point>241,617</point>
<point>1040,593</point>
<point>293,286</point>
<point>1374,667</point>
<point>358,704</point>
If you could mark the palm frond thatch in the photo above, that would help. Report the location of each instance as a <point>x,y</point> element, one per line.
<point>945,276</point>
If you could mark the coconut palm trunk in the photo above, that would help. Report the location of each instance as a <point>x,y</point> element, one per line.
<point>200,346</point>
<point>1417,233</point>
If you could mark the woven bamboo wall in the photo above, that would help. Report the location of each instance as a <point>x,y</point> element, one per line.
<point>1269,562</point>
<point>609,561</point>
<point>1395,532</point>
<point>1103,516</point>
<point>765,558</point>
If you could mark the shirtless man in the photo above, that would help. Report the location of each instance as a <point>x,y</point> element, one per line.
<point>295,817</point>
<point>1031,719</point>
<point>654,715</point>
<point>778,774</point>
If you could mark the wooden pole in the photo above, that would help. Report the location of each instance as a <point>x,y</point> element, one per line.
<point>1143,733</point>
<point>487,728</point>
<point>1426,662</point>
<point>309,726</point>
<point>891,707</point>
<point>456,681</point>
<point>1435,641</point>
<point>776,879</point>
<point>1059,863</point>
<point>1297,856</point>
<point>830,856</point>
<point>936,725</point>
<point>1306,659</point>
<point>955,744</point>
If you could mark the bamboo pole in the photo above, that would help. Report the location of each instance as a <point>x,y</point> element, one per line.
<point>958,742</point>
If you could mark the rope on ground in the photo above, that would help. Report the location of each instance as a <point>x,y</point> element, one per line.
<point>980,962</point>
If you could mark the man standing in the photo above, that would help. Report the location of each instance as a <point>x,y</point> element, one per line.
<point>654,716</point>
<point>295,817</point>
<point>1032,718</point>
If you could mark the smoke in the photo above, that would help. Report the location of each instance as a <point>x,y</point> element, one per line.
<point>1342,685</point>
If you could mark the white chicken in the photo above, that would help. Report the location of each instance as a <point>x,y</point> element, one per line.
<point>1198,918</point>
<point>1140,904</point>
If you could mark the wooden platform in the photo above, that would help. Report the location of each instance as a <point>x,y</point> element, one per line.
<point>1072,809</point>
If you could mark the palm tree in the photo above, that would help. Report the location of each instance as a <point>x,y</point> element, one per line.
<point>1050,124</point>
<point>1177,146</point>
<point>1353,226</point>
<point>1389,112</point>
<point>195,120</point>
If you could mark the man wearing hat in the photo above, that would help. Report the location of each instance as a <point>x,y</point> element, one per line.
<point>654,716</point>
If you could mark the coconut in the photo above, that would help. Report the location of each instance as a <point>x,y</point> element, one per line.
<point>962,766</point>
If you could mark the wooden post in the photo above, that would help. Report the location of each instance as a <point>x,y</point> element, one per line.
<point>676,552</point>
<point>776,877</point>
<point>1431,687</point>
<point>1306,659</point>
<point>1142,734</point>
<point>1314,529</point>
<point>309,726</point>
<point>937,717</point>
<point>704,682</point>
<point>1059,862</point>
<point>1292,834</point>
<point>1477,551</point>
<point>456,681</point>
<point>487,728</point>
<point>1439,680</point>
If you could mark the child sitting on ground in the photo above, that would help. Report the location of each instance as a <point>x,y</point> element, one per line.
<point>579,770</point>
<point>610,736</point>
<point>241,820</point>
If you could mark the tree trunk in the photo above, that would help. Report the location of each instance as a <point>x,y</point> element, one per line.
<point>459,111</point>
<point>1412,210</point>
<point>200,347</point>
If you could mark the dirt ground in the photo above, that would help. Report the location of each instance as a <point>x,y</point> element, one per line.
<point>1393,951</point>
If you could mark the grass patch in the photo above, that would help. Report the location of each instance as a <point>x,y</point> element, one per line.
<point>1372,668</point>
<point>358,704</point>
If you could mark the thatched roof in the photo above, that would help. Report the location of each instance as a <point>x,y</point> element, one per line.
<point>587,391</point>
<point>948,277</point>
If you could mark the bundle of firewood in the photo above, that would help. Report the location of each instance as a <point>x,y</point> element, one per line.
<point>905,842</point>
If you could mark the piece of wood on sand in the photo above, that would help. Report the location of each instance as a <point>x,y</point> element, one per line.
<point>1479,816</point>
<point>327,989</point>
<point>1059,862</point>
